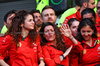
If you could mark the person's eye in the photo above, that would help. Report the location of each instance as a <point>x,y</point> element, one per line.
<point>46,31</point>
<point>35,16</point>
<point>83,31</point>
<point>93,3</point>
<point>74,26</point>
<point>46,15</point>
<point>30,20</point>
<point>52,30</point>
<point>88,31</point>
<point>52,14</point>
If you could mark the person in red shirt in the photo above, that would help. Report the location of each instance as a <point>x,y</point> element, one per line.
<point>54,45</point>
<point>22,42</point>
<point>83,4</point>
<point>89,13</point>
<point>73,25</point>
<point>91,45</point>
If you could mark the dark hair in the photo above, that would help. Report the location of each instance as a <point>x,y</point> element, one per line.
<point>34,11</point>
<point>71,21</point>
<point>88,10</point>
<point>85,22</point>
<point>7,14</point>
<point>48,7</point>
<point>82,1</point>
<point>15,29</point>
<point>59,38</point>
<point>77,2</point>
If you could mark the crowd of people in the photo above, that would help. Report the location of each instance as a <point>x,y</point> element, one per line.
<point>31,38</point>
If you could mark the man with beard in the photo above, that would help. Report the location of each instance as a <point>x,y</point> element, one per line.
<point>7,21</point>
<point>37,18</point>
<point>48,14</point>
<point>83,5</point>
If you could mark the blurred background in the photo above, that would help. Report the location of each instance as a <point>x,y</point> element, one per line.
<point>6,5</point>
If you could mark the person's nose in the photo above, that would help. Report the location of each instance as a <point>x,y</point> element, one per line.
<point>49,16</point>
<point>86,34</point>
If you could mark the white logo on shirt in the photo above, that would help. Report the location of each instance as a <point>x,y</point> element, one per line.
<point>35,47</point>
<point>98,48</point>
<point>4,39</point>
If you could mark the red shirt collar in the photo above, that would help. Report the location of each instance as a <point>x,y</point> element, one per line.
<point>24,39</point>
<point>49,44</point>
<point>87,46</point>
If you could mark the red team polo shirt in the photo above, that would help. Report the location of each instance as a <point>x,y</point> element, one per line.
<point>23,55</point>
<point>90,55</point>
<point>51,54</point>
<point>76,15</point>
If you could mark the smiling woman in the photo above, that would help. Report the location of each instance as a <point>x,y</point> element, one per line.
<point>86,29</point>
<point>22,42</point>
<point>90,56</point>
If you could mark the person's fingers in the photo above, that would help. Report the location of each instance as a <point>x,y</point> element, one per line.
<point>64,26</point>
<point>61,29</point>
<point>67,26</point>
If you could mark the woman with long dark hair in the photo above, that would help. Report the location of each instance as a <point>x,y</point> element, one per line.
<point>22,42</point>
<point>87,35</point>
<point>54,46</point>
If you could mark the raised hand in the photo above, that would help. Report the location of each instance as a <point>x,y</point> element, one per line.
<point>66,30</point>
